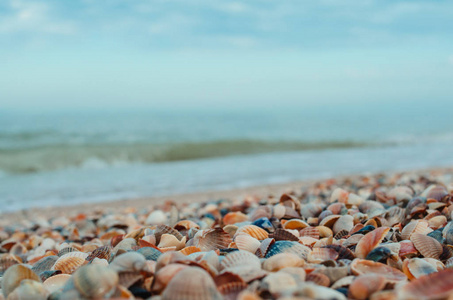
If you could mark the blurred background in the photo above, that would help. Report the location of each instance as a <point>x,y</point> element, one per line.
<point>105,100</point>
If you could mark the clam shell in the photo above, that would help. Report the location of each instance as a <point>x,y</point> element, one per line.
<point>191,283</point>
<point>240,258</point>
<point>365,285</point>
<point>95,281</point>
<point>212,239</point>
<point>279,282</point>
<point>295,224</point>
<point>234,217</point>
<point>56,282</point>
<point>168,240</point>
<point>312,232</point>
<point>427,246</point>
<point>324,231</point>
<point>318,278</point>
<point>67,265</point>
<point>415,226</point>
<point>417,267</point>
<point>370,241</point>
<point>44,264</point>
<point>164,229</point>
<point>150,253</point>
<point>288,247</point>
<point>29,289</point>
<point>14,275</point>
<point>104,252</point>
<point>361,266</point>
<point>345,222</point>
<point>433,286</point>
<point>318,255</point>
<point>189,250</point>
<point>264,247</point>
<point>283,235</point>
<point>247,243</point>
<point>282,260</point>
<point>165,274</point>
<point>254,231</point>
<point>130,261</point>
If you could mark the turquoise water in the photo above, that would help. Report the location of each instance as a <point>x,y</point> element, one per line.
<point>61,158</point>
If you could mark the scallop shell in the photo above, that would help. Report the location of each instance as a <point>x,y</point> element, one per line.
<point>212,239</point>
<point>312,232</point>
<point>75,254</point>
<point>365,285</point>
<point>240,258</point>
<point>433,286</point>
<point>362,266</point>
<point>282,260</point>
<point>234,217</point>
<point>14,275</point>
<point>150,253</point>
<point>29,289</point>
<point>67,265</point>
<point>415,226</point>
<point>95,281</point>
<point>67,250</point>
<point>427,246</point>
<point>189,250</point>
<point>417,267</point>
<point>186,225</point>
<point>165,274</point>
<point>318,255</point>
<point>164,229</point>
<point>254,231</point>
<point>104,252</point>
<point>247,243</point>
<point>264,247</point>
<point>56,282</point>
<point>191,283</point>
<point>283,235</point>
<point>370,241</point>
<point>288,247</point>
<point>279,282</point>
<point>318,278</point>
<point>130,261</point>
<point>407,249</point>
<point>44,264</point>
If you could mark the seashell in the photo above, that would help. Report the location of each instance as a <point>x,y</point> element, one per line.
<point>263,211</point>
<point>288,247</point>
<point>6,261</point>
<point>94,281</point>
<point>329,221</point>
<point>362,266</point>
<point>290,201</point>
<point>426,245</point>
<point>336,208</point>
<point>240,258</point>
<point>318,255</point>
<point>191,283</point>
<point>44,264</point>
<point>234,217</point>
<point>334,273</point>
<point>365,285</point>
<point>437,192</point>
<point>415,226</point>
<point>312,232</point>
<point>124,245</point>
<point>230,229</point>
<point>168,240</point>
<point>353,240</point>
<point>212,239</point>
<point>295,224</point>
<point>448,233</point>
<point>67,250</point>
<point>189,250</point>
<point>279,282</point>
<point>379,254</point>
<point>324,214</point>
<point>232,290</point>
<point>56,282</point>
<point>395,215</point>
<point>407,249</point>
<point>282,260</point>
<point>370,241</point>
<point>264,247</point>
<point>75,254</point>
<point>156,217</point>
<point>46,274</point>
<point>264,223</point>
<point>13,277</point>
<point>29,289</point>
<point>130,261</point>
<point>283,235</point>
<point>297,273</point>
<point>186,225</point>
<point>318,278</point>
<point>339,195</point>
<point>324,231</point>
<point>254,231</point>
<point>163,229</point>
<point>343,282</point>
<point>343,252</point>
<point>104,252</point>
<point>433,286</point>
<point>150,253</point>
<point>342,234</point>
<point>67,265</point>
<point>417,267</point>
<point>246,242</point>
<point>345,222</point>
<point>311,210</point>
<point>437,222</point>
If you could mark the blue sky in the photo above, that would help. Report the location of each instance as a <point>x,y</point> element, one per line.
<point>210,53</point>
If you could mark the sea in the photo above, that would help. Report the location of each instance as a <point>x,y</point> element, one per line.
<point>65,157</point>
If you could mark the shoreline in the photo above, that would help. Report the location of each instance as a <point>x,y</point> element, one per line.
<point>197,197</point>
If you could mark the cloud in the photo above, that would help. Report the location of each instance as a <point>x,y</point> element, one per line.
<point>32,17</point>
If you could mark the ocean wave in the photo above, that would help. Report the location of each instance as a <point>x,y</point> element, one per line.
<point>55,157</point>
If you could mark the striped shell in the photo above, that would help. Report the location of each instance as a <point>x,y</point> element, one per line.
<point>318,255</point>
<point>67,265</point>
<point>288,247</point>
<point>282,260</point>
<point>240,258</point>
<point>361,266</point>
<point>370,241</point>
<point>212,239</point>
<point>254,231</point>
<point>44,264</point>
<point>433,286</point>
<point>104,252</point>
<point>426,245</point>
<point>95,281</point>
<point>13,277</point>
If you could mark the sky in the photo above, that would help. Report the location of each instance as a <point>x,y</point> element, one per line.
<point>171,54</point>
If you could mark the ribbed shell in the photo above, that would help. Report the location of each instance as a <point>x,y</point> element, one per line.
<point>191,284</point>
<point>318,255</point>
<point>282,260</point>
<point>67,265</point>
<point>311,232</point>
<point>212,239</point>
<point>95,281</point>
<point>433,286</point>
<point>362,266</point>
<point>370,241</point>
<point>318,278</point>
<point>150,253</point>
<point>104,252</point>
<point>254,231</point>
<point>164,229</point>
<point>416,226</point>
<point>288,247</point>
<point>284,235</point>
<point>44,264</point>
<point>67,250</point>
<point>13,277</point>
<point>247,243</point>
<point>426,245</point>
<point>240,258</point>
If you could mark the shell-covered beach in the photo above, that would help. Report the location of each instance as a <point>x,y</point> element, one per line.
<point>383,236</point>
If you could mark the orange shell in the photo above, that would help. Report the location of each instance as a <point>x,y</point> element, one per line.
<point>234,217</point>
<point>370,241</point>
<point>433,286</point>
<point>254,231</point>
<point>365,285</point>
<point>426,245</point>
<point>67,265</point>
<point>318,278</point>
<point>190,250</point>
<point>362,266</point>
